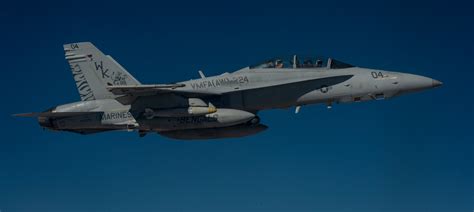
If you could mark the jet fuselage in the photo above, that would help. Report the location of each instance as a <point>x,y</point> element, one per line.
<point>221,106</point>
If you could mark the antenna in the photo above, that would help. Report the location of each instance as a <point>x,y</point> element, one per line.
<point>201,74</point>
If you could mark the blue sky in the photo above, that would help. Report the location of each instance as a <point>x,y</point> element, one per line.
<point>412,153</point>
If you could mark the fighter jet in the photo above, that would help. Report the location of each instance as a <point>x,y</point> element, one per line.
<point>211,107</point>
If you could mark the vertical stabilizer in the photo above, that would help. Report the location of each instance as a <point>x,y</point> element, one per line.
<point>93,71</point>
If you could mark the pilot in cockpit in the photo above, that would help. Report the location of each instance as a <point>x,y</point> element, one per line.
<point>278,63</point>
<point>269,64</point>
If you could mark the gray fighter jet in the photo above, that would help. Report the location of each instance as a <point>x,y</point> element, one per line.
<point>222,106</point>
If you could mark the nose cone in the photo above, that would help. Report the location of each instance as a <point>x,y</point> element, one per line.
<point>436,83</point>
<point>412,83</point>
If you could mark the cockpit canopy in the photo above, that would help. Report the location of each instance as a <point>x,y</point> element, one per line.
<point>303,62</point>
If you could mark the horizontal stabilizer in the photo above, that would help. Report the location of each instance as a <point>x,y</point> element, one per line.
<point>55,114</point>
<point>26,114</point>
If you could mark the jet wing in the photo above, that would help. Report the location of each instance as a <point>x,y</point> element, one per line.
<point>129,89</point>
<point>143,90</point>
<point>129,93</point>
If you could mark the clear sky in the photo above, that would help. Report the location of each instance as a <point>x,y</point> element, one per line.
<point>412,153</point>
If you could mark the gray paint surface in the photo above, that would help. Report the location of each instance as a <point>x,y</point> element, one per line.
<point>221,106</point>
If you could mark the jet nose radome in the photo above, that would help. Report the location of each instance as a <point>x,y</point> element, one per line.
<point>436,83</point>
<point>413,82</point>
